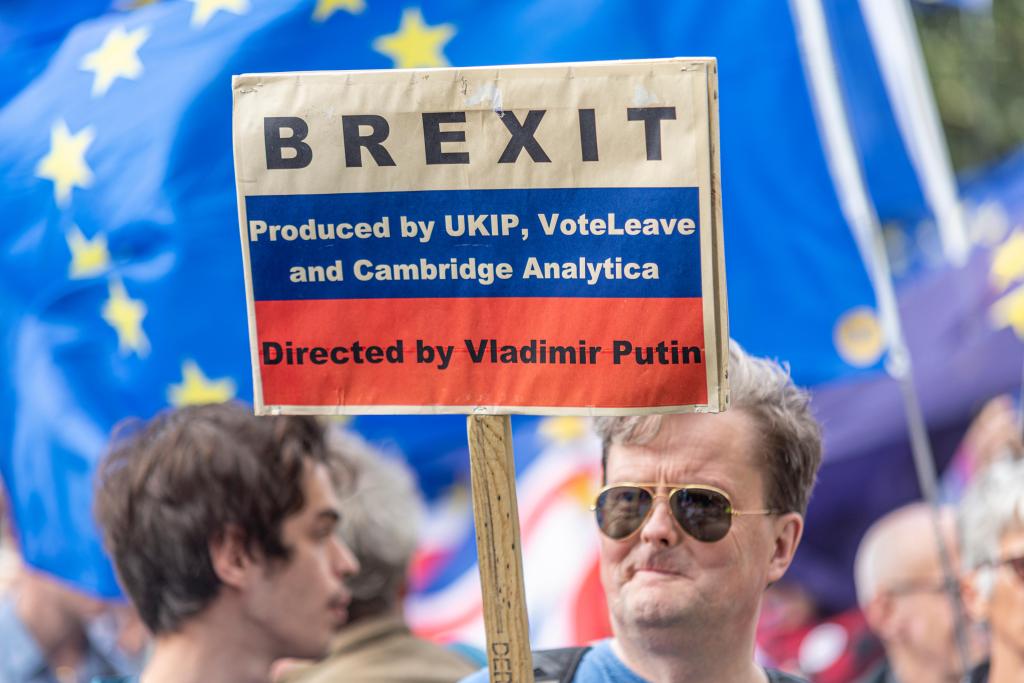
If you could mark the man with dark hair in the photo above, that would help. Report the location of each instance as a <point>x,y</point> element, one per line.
<point>221,525</point>
<point>700,513</point>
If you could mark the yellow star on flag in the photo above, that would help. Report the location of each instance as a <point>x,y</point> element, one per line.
<point>88,257</point>
<point>116,58</point>
<point>197,389</point>
<point>205,9</point>
<point>563,429</point>
<point>1008,261</point>
<point>65,163</point>
<point>326,8</point>
<point>125,315</point>
<point>1009,311</point>
<point>415,44</point>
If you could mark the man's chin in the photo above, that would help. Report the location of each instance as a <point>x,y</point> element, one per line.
<point>312,649</point>
<point>652,611</point>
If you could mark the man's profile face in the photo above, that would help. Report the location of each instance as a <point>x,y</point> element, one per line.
<point>1006,602</point>
<point>661,576</point>
<point>923,620</point>
<point>300,602</point>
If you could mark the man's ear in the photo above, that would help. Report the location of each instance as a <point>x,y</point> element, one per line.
<point>230,557</point>
<point>976,589</point>
<point>788,529</point>
<point>878,613</point>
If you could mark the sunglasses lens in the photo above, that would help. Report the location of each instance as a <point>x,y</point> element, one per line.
<point>621,510</point>
<point>703,514</point>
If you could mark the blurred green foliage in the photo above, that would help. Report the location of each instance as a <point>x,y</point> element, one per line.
<point>975,60</point>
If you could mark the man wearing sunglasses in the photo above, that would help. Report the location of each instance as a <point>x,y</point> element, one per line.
<point>991,521</point>
<point>698,515</point>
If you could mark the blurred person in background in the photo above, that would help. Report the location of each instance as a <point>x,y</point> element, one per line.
<point>908,598</point>
<point>991,524</point>
<point>994,433</point>
<point>795,633</point>
<point>380,522</point>
<point>221,526</point>
<point>52,633</point>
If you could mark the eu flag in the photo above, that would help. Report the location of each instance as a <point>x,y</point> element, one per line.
<point>120,277</point>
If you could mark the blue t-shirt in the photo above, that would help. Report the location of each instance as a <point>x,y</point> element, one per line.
<point>600,665</point>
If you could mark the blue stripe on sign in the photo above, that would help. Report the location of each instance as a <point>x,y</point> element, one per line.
<point>665,264</point>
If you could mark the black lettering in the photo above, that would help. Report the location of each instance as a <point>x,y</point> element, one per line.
<point>562,354</point>
<point>271,353</point>
<point>522,136</point>
<point>588,134</point>
<point>691,354</point>
<point>652,118</point>
<point>433,136</point>
<point>476,354</point>
<point>379,131</point>
<point>619,349</point>
<point>275,144</point>
<point>357,353</point>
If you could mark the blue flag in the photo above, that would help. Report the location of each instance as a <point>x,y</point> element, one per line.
<point>121,284</point>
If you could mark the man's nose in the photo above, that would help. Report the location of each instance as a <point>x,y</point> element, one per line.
<point>661,528</point>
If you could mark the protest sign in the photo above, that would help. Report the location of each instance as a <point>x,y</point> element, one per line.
<point>540,239</point>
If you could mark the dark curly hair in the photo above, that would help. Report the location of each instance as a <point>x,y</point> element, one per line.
<point>170,486</point>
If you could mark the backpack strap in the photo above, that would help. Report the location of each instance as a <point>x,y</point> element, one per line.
<point>782,677</point>
<point>557,665</point>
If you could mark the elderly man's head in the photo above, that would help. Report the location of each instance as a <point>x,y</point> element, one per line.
<point>991,519</point>
<point>907,597</point>
<point>381,515</point>
<point>736,486</point>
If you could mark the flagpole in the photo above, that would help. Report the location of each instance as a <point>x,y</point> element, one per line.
<point>857,207</point>
<point>894,39</point>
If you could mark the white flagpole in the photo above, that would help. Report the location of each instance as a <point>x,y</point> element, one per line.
<point>893,34</point>
<point>857,207</point>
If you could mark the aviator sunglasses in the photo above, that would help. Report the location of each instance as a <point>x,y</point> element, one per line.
<point>704,512</point>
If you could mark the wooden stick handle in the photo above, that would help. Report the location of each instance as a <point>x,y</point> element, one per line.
<point>499,552</point>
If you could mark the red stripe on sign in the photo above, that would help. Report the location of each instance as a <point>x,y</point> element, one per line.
<point>601,353</point>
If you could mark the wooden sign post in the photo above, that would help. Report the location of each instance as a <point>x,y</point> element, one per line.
<point>541,239</point>
<point>498,548</point>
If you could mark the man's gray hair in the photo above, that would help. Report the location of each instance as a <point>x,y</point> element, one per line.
<point>790,436</point>
<point>381,514</point>
<point>992,505</point>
